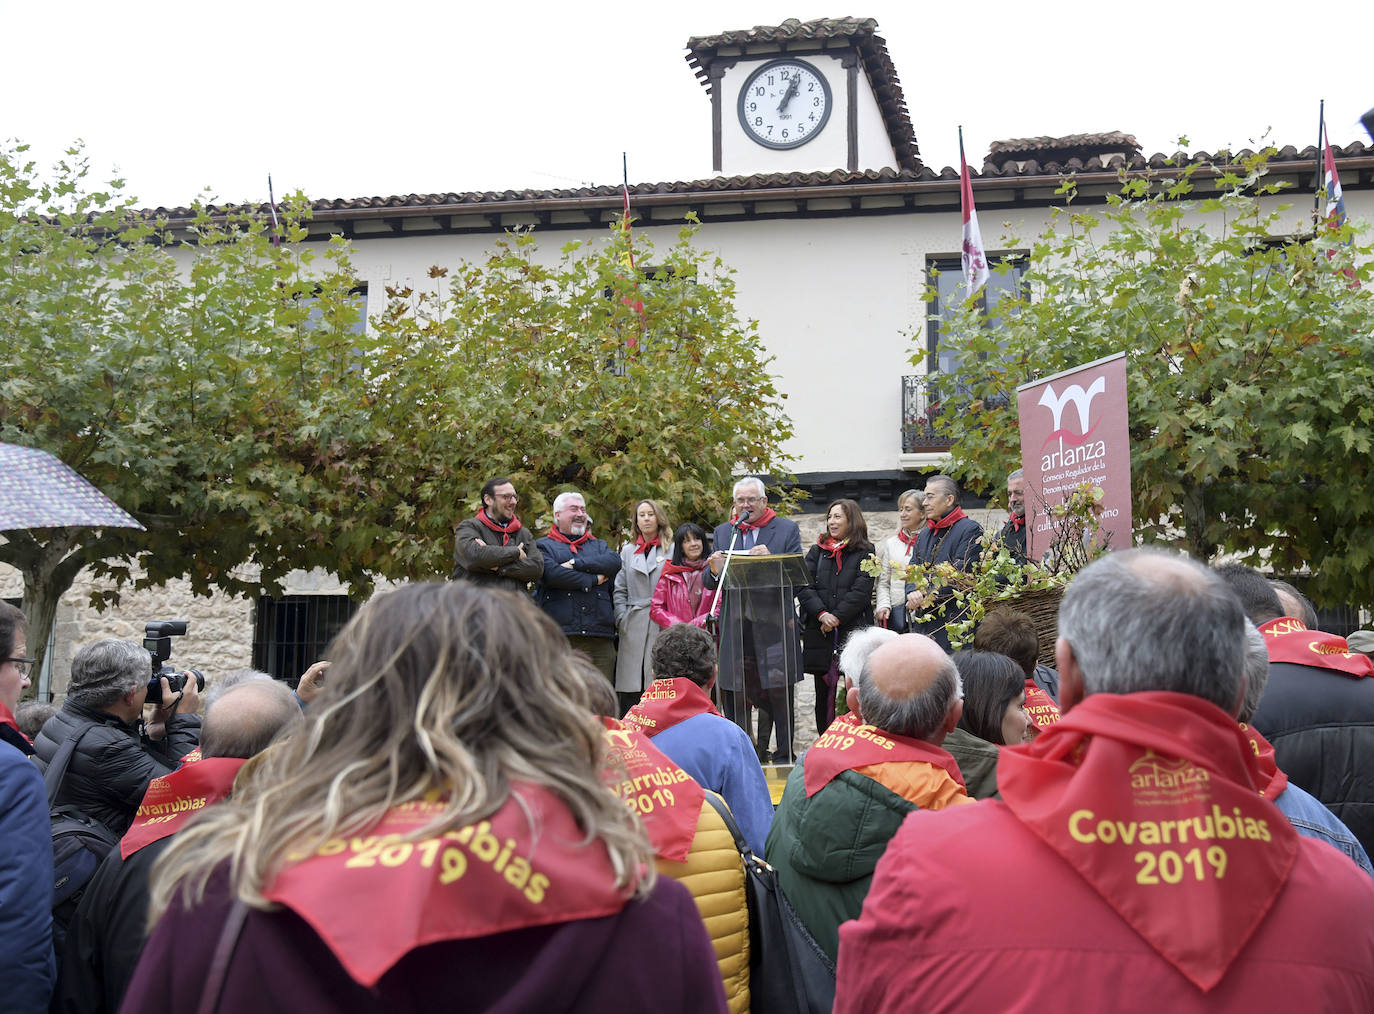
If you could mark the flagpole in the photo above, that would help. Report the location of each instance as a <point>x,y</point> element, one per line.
<point>1317,176</point>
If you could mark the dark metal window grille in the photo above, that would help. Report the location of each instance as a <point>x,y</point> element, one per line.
<point>290,634</point>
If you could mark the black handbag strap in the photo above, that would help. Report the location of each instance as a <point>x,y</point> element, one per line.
<point>723,808</point>
<point>52,778</point>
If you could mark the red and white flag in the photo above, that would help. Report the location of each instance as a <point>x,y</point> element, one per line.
<point>975,261</point>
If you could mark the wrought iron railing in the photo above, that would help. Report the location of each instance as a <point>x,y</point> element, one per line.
<point>920,409</point>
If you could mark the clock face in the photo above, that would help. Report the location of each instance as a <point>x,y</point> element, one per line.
<point>784,103</point>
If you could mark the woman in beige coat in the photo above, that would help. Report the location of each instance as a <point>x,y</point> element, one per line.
<point>890,610</point>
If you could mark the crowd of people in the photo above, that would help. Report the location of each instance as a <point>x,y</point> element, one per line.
<point>525,790</point>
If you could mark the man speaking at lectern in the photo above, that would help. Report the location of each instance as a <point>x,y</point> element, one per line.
<point>755,637</point>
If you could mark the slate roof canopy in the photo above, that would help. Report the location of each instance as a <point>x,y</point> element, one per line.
<point>801,37</point>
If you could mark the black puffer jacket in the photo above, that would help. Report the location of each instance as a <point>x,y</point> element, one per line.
<point>113,763</point>
<point>1321,723</point>
<point>847,593</point>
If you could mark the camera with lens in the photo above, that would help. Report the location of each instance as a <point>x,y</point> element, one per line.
<point>157,638</point>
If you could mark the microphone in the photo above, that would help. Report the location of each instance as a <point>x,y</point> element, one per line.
<point>741,520</point>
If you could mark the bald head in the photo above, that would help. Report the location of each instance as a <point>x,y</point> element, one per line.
<point>909,687</point>
<point>247,718</point>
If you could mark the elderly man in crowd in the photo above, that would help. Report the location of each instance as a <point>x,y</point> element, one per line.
<point>853,788</point>
<point>575,588</point>
<point>494,548</point>
<point>1013,533</point>
<point>1165,880</point>
<point>950,536</point>
<point>117,755</point>
<point>676,712</point>
<point>108,930</point>
<point>1318,708</point>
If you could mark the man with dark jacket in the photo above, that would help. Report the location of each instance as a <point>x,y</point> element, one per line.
<point>1318,708</point>
<point>950,536</point>
<point>855,786</point>
<point>1013,533</point>
<point>575,589</point>
<point>494,548</point>
<point>116,758</point>
<point>107,933</point>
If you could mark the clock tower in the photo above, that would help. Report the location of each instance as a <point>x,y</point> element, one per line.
<point>815,96</point>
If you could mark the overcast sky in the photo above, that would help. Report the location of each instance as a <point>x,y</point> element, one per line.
<point>349,99</point>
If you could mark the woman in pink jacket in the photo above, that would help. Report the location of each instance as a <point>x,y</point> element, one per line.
<point>679,596</point>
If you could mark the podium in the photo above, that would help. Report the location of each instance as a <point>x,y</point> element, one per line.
<point>760,658</point>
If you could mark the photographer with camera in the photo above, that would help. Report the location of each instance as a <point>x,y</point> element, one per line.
<point>116,757</point>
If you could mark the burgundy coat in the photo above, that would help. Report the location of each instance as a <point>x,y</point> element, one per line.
<point>654,955</point>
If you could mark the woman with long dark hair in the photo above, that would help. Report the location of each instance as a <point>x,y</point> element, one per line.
<point>994,697</point>
<point>838,600</point>
<point>436,827</point>
<point>680,596</point>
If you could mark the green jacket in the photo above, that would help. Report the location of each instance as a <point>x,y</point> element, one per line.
<point>825,848</point>
<point>977,762</point>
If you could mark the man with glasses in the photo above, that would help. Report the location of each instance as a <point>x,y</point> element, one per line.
<point>760,653</point>
<point>493,548</point>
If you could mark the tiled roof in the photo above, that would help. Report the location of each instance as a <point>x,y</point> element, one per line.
<point>861,33</point>
<point>1112,139</point>
<point>754,187</point>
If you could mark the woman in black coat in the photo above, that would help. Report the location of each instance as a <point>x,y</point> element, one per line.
<point>839,599</point>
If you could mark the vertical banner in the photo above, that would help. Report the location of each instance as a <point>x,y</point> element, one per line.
<point>1074,430</point>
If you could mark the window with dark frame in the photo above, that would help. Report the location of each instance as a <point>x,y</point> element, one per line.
<point>292,633</point>
<point>946,276</point>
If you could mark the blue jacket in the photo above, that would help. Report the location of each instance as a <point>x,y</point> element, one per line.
<point>1309,817</point>
<point>571,596</point>
<point>26,879</point>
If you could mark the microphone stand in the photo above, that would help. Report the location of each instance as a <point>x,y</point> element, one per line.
<point>713,619</point>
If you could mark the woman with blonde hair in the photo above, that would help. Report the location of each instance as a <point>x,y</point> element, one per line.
<point>896,551</point>
<point>436,828</point>
<point>641,565</point>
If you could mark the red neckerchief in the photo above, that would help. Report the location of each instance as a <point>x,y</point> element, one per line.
<point>835,549</point>
<point>1018,521</point>
<point>690,567</point>
<point>643,545</point>
<point>908,540</point>
<point>1275,781</point>
<point>175,798</point>
<point>574,544</point>
<point>949,519</point>
<point>506,531</point>
<point>753,524</point>
<point>665,703</point>
<point>847,744</point>
<point>1153,799</point>
<point>376,896</point>
<point>1289,641</point>
<point>1040,706</point>
<point>9,732</point>
<point>665,797</point>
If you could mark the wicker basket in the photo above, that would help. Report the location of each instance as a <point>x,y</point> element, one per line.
<point>1042,606</point>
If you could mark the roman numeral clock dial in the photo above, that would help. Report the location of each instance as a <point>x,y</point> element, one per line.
<point>784,104</point>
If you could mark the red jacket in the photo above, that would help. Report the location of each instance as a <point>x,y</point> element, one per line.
<point>970,911</point>
<point>673,597</point>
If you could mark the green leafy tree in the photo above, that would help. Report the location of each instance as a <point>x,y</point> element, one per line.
<point>224,391</point>
<point>552,374</point>
<point>1251,355</point>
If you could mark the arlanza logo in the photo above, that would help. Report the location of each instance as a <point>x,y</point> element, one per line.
<point>1081,399</point>
<point>1157,780</point>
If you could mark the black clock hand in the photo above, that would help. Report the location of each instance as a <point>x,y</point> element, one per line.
<point>792,89</point>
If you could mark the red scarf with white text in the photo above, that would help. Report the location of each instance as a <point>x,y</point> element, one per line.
<point>573,544</point>
<point>665,797</point>
<point>665,703</point>
<point>955,515</point>
<point>1289,641</point>
<point>378,895</point>
<point>175,798</point>
<point>1153,799</point>
<point>835,549</point>
<point>505,531</point>
<point>848,744</point>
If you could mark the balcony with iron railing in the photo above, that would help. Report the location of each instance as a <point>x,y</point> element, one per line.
<point>924,396</point>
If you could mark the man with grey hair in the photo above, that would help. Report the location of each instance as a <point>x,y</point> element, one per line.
<point>859,781</point>
<point>1137,817</point>
<point>117,755</point>
<point>1013,533</point>
<point>110,924</point>
<point>760,646</point>
<point>575,587</point>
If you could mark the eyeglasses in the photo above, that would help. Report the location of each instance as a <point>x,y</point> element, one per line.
<point>748,499</point>
<point>22,664</point>
<point>512,497</point>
